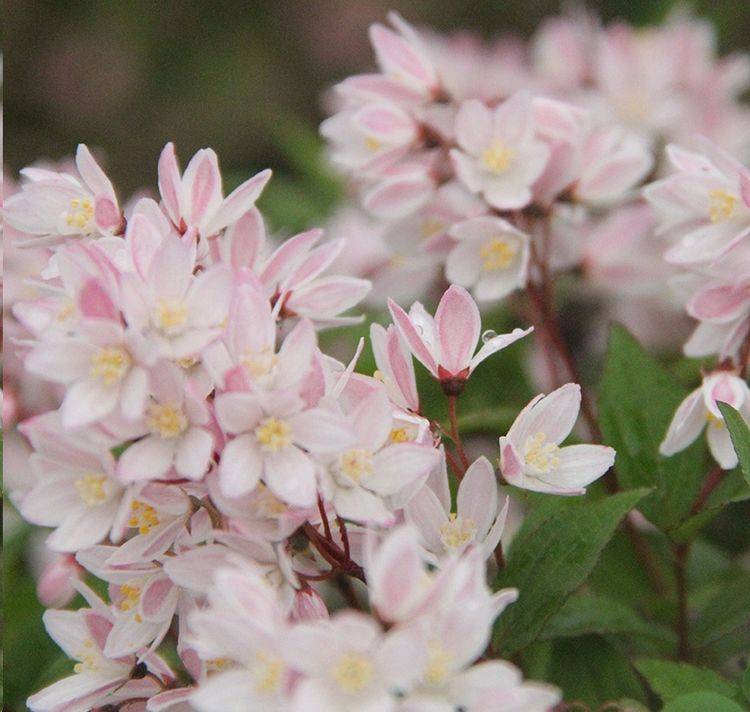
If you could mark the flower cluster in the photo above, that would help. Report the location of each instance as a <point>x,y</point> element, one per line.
<point>703,212</point>
<point>225,477</point>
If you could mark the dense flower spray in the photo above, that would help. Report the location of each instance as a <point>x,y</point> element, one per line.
<point>303,535</point>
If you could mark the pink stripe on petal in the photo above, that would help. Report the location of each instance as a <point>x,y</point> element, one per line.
<point>458,323</point>
<point>412,337</point>
<point>94,301</point>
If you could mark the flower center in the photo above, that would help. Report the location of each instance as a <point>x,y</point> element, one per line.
<point>259,363</point>
<point>143,517</point>
<point>89,660</point>
<point>438,664</point>
<point>109,365</point>
<point>457,531</point>
<point>431,226</point>
<point>267,672</point>
<point>540,454</point>
<point>130,594</point>
<point>170,315</point>
<point>713,420</point>
<point>399,435</point>
<point>497,254</point>
<point>166,421</point>
<point>372,143</point>
<point>353,672</point>
<point>497,157</point>
<point>267,504</point>
<point>91,489</point>
<point>81,215</point>
<point>722,206</point>
<point>355,464</point>
<point>273,434</point>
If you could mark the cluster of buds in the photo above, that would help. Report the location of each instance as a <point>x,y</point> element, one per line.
<point>226,478</point>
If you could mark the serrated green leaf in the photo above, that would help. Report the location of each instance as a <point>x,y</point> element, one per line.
<point>670,680</point>
<point>727,611</point>
<point>637,401</point>
<point>582,615</point>
<point>551,556</point>
<point>740,434</point>
<point>702,702</point>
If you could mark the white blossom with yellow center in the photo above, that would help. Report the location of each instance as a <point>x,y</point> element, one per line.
<point>373,144</point>
<point>541,455</point>
<point>110,364</point>
<point>457,531</point>
<point>130,595</point>
<point>89,659</point>
<point>166,420</point>
<point>497,157</point>
<point>722,206</point>
<point>259,364</point>
<point>92,489</point>
<point>353,672</point>
<point>170,316</point>
<point>438,666</point>
<point>498,253</point>
<point>273,434</point>
<point>80,216</point>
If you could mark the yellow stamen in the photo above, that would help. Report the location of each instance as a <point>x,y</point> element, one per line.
<point>722,207</point>
<point>170,315</point>
<point>399,435</point>
<point>497,254</point>
<point>457,531</point>
<point>438,664</point>
<point>91,489</point>
<point>143,517</point>
<point>109,365</point>
<point>130,596</point>
<point>541,454</point>
<point>372,143</point>
<point>267,672</point>
<point>353,672</point>
<point>273,434</point>
<point>260,363</point>
<point>497,157</point>
<point>81,215</point>
<point>166,421</point>
<point>356,463</point>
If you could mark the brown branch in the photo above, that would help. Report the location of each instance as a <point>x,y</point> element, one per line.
<point>713,480</point>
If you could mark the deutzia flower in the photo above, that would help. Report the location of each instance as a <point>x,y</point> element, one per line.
<point>531,456</point>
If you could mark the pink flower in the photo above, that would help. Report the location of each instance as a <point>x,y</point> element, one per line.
<point>395,366</point>
<point>375,465</point>
<point>55,585</point>
<point>500,156</point>
<point>175,432</point>
<point>479,518</point>
<point>491,257</point>
<point>98,679</point>
<point>53,206</point>
<point>445,344</point>
<point>699,410</point>
<point>531,456</point>
<point>76,490</point>
<point>195,198</point>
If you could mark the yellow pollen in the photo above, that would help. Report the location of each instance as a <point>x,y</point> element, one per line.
<point>143,517</point>
<point>497,157</point>
<point>431,226</point>
<point>372,144</point>
<point>187,362</point>
<point>170,315</point>
<point>259,363</point>
<point>81,215</point>
<point>713,420</point>
<point>166,421</point>
<point>91,489</point>
<point>89,662</point>
<point>67,310</point>
<point>109,365</point>
<point>540,454</point>
<point>722,206</point>
<point>399,435</point>
<point>218,664</point>
<point>497,254</point>
<point>273,434</point>
<point>457,531</point>
<point>438,664</point>
<point>267,673</point>
<point>130,595</point>
<point>356,463</point>
<point>353,672</point>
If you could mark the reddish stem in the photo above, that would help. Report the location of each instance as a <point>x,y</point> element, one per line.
<point>680,562</point>
<point>713,480</point>
<point>455,436</point>
<point>344,535</point>
<point>324,519</point>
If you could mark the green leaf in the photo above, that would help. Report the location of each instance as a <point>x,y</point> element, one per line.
<point>553,553</point>
<point>727,611</point>
<point>670,680</point>
<point>745,684</point>
<point>702,702</point>
<point>591,670</point>
<point>740,434</point>
<point>599,614</point>
<point>637,401</point>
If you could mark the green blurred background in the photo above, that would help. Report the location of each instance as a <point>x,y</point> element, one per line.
<point>246,78</point>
